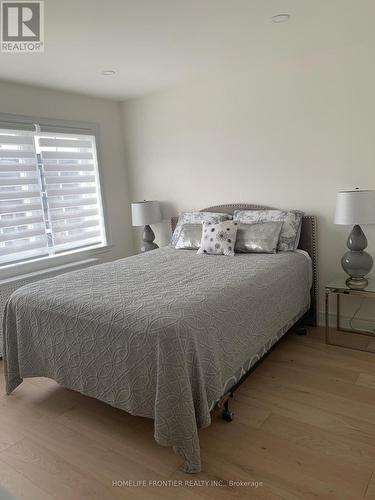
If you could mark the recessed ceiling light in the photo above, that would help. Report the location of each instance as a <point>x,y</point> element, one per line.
<point>280,18</point>
<point>108,72</point>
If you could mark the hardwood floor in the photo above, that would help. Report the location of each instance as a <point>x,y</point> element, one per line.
<point>304,426</point>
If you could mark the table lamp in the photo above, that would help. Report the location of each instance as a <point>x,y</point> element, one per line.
<point>145,213</point>
<point>356,207</point>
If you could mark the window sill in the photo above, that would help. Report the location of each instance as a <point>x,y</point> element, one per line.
<point>14,272</point>
<point>50,270</point>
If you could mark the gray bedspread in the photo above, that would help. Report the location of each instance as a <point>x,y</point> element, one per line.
<point>159,335</point>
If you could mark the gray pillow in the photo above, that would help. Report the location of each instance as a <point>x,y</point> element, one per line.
<point>196,218</point>
<point>190,237</point>
<point>290,232</point>
<point>258,238</point>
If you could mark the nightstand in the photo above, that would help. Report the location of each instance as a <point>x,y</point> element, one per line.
<point>365,341</point>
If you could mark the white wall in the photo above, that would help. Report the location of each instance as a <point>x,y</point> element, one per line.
<point>27,100</point>
<point>288,136</point>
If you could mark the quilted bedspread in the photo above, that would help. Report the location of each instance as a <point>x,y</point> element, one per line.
<point>159,335</point>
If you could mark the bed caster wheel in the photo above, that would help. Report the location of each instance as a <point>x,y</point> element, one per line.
<point>227,415</point>
<point>301,331</point>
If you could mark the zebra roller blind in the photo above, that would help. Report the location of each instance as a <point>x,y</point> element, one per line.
<point>50,198</point>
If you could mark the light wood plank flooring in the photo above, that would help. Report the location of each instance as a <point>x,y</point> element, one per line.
<point>304,426</point>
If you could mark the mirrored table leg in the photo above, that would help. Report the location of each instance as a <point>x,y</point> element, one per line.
<point>327,317</point>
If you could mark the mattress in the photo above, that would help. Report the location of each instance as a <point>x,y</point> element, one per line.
<point>160,335</point>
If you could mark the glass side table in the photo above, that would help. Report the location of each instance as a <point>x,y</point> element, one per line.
<point>340,337</point>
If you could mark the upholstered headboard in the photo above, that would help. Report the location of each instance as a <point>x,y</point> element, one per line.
<point>307,242</point>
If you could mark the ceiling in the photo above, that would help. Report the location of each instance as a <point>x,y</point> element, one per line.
<point>155,44</point>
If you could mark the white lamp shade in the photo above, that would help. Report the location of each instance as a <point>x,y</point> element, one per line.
<point>355,207</point>
<point>145,213</point>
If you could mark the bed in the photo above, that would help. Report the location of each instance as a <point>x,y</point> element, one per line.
<point>162,335</point>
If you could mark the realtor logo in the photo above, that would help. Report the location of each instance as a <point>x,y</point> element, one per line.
<point>22,26</point>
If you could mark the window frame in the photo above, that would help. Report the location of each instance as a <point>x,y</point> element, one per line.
<point>50,125</point>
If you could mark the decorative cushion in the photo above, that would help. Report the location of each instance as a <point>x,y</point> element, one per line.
<point>290,232</point>
<point>218,239</point>
<point>258,238</point>
<point>190,237</point>
<point>196,218</point>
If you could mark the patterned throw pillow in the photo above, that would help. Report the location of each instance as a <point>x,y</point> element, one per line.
<point>290,232</point>
<point>196,218</point>
<point>218,239</point>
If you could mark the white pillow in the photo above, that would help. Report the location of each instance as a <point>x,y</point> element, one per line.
<point>218,239</point>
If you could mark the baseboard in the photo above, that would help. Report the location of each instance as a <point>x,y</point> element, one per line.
<point>358,323</point>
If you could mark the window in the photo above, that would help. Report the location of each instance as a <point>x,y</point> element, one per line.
<point>50,199</point>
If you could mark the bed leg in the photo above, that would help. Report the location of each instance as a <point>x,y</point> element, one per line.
<point>300,329</point>
<point>226,413</point>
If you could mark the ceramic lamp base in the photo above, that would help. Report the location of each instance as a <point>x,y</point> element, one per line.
<point>148,240</point>
<point>356,283</point>
<point>356,262</point>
